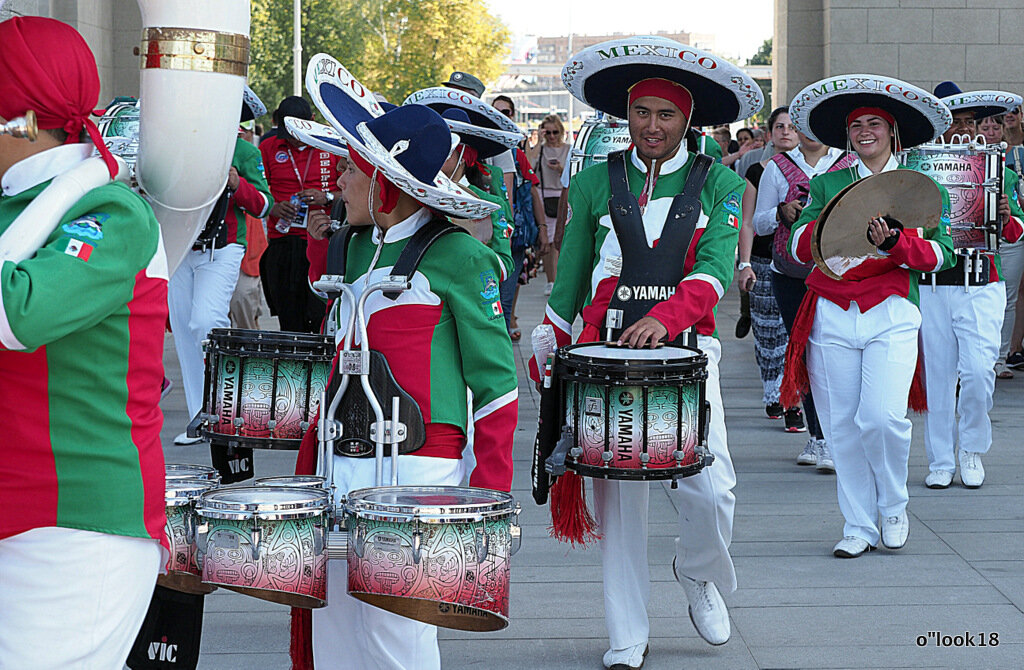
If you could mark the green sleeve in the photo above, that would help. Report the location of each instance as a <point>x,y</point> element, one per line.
<point>576,259</point>
<point>1010,182</point>
<point>85,271</point>
<point>940,233</point>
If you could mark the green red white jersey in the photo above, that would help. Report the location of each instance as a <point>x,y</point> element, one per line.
<point>444,335</point>
<point>252,195</point>
<point>590,258</point>
<point>501,227</point>
<point>81,362</point>
<point>1013,229</point>
<point>874,279</point>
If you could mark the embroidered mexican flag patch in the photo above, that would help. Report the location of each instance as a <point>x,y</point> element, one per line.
<point>76,248</point>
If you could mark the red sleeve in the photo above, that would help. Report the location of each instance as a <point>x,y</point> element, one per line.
<point>693,299</point>
<point>1013,230</point>
<point>801,242</point>
<point>493,430</point>
<point>525,169</point>
<point>250,199</point>
<point>917,253</point>
<point>316,254</point>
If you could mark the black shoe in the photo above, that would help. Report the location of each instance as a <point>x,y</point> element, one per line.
<point>774,410</point>
<point>795,420</point>
<point>1014,360</point>
<point>742,326</point>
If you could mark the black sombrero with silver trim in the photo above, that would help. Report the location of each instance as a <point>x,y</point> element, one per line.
<point>983,103</point>
<point>820,110</point>
<point>601,76</point>
<point>488,131</point>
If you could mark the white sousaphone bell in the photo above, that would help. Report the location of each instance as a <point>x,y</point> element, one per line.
<point>194,57</point>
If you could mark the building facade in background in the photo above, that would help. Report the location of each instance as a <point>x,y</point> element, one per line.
<point>556,49</point>
<point>976,43</point>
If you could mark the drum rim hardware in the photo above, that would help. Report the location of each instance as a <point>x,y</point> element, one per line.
<point>236,510</point>
<point>497,508</point>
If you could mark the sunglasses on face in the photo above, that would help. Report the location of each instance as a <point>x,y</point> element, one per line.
<point>551,132</point>
<point>506,112</point>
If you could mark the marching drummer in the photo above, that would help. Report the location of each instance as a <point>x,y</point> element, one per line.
<point>961,318</point>
<point>444,335</point>
<point>81,344</point>
<point>650,81</point>
<point>862,329</point>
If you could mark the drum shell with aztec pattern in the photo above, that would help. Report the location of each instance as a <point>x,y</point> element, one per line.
<point>182,569</point>
<point>461,577</point>
<point>288,563</point>
<point>972,176</point>
<point>262,387</point>
<point>614,399</point>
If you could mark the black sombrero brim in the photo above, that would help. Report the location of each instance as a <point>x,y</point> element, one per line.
<point>607,90</point>
<point>827,121</point>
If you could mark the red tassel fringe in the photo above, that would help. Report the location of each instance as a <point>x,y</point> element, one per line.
<point>918,400</point>
<point>571,520</point>
<point>302,639</point>
<point>795,382</point>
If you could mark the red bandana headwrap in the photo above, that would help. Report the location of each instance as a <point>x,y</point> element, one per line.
<point>388,192</point>
<point>664,89</point>
<point>864,111</point>
<point>48,68</point>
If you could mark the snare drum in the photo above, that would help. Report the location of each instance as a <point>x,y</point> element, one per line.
<point>266,542</point>
<point>634,413</point>
<point>180,496</point>
<point>973,176</point>
<point>436,554</point>
<point>596,139</point>
<point>263,387</point>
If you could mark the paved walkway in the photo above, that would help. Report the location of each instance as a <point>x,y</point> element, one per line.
<point>796,606</point>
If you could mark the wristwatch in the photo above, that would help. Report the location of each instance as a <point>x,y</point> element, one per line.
<point>329,197</point>
<point>741,266</point>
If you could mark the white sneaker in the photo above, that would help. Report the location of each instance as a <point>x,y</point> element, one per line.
<point>825,463</point>
<point>972,472</point>
<point>895,530</point>
<point>707,609</point>
<point>548,287</point>
<point>851,547</point>
<point>809,456</point>
<point>184,440</point>
<point>631,658</point>
<point>938,479</point>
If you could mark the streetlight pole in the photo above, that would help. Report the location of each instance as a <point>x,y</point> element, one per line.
<point>297,48</point>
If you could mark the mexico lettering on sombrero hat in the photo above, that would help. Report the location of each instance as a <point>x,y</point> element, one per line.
<point>721,92</point>
<point>391,142</point>
<point>820,110</point>
<point>488,131</point>
<point>982,103</point>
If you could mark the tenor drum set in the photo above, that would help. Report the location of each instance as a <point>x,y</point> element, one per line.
<point>436,554</point>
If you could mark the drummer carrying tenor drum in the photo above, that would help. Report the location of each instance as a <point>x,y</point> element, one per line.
<point>606,265</point>
<point>860,331</point>
<point>962,315</point>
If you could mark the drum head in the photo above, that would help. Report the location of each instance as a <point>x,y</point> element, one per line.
<point>262,502</point>
<point>187,471</point>
<point>293,481</point>
<point>839,242</point>
<point>430,504</point>
<point>272,343</point>
<point>599,351</point>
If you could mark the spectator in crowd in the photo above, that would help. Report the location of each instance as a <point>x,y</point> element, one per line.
<point>247,300</point>
<point>552,157</point>
<point>770,338</point>
<point>761,150</point>
<point>745,143</point>
<point>723,137</point>
<point>300,178</point>
<point>991,128</point>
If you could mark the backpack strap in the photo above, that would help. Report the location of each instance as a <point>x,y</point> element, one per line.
<point>337,252</point>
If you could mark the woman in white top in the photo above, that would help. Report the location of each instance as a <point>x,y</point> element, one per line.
<point>551,159</point>
<point>780,199</point>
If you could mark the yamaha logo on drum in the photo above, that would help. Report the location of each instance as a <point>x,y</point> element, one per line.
<point>625,398</point>
<point>623,293</point>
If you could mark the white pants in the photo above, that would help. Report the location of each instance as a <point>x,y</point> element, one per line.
<point>198,298</point>
<point>960,336</point>
<point>349,634</point>
<point>73,599</point>
<point>861,367</point>
<point>705,502</point>
<point>1011,260</point>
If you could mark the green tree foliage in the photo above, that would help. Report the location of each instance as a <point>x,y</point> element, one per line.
<point>763,55</point>
<point>394,47</point>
